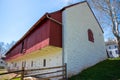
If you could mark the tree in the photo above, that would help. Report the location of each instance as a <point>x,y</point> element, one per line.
<point>8,46</point>
<point>5,47</point>
<point>110,10</point>
<point>2,49</point>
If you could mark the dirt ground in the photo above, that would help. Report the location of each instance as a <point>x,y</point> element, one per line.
<point>6,76</point>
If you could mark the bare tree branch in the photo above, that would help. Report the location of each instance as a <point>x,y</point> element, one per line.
<point>111,12</point>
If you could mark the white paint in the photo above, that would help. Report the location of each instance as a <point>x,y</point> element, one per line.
<point>79,53</point>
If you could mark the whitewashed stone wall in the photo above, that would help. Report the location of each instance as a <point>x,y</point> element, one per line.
<point>52,55</point>
<point>79,53</point>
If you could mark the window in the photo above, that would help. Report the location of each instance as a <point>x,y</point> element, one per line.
<point>109,47</point>
<point>31,63</point>
<point>116,51</point>
<point>44,62</point>
<point>110,52</point>
<point>15,64</point>
<point>90,35</point>
<point>24,64</point>
<point>115,46</point>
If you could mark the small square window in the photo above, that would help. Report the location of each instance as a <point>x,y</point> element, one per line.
<point>116,51</point>
<point>116,46</point>
<point>31,63</point>
<point>24,64</point>
<point>44,62</point>
<point>110,52</point>
<point>109,47</point>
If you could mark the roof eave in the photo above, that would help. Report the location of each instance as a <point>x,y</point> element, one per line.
<point>27,33</point>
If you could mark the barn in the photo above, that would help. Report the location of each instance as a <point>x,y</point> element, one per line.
<point>71,35</point>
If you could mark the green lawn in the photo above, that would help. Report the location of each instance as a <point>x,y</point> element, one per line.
<point>106,70</point>
<point>16,79</point>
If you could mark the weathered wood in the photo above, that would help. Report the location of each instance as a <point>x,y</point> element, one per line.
<point>63,69</point>
<point>10,72</point>
<point>45,73</point>
<point>45,68</point>
<point>22,74</point>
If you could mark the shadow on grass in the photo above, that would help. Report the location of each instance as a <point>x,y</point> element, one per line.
<point>106,70</point>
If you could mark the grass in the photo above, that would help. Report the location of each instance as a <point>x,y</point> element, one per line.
<point>7,76</point>
<point>16,79</point>
<point>106,70</point>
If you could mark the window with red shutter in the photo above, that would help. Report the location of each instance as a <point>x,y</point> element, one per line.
<point>90,35</point>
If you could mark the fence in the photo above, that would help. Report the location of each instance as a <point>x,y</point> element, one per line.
<point>42,73</point>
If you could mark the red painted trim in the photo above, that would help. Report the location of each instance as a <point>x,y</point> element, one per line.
<point>38,46</point>
<point>56,30</point>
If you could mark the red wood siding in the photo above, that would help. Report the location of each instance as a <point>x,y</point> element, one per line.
<point>56,30</point>
<point>15,51</point>
<point>40,34</point>
<point>44,34</point>
<point>35,39</point>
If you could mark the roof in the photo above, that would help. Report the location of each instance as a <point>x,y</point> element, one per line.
<point>73,5</point>
<point>112,42</point>
<point>45,17</point>
<point>28,32</point>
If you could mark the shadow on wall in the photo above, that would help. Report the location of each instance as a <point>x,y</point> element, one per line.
<point>106,70</point>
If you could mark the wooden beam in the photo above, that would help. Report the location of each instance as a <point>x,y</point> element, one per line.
<point>45,73</point>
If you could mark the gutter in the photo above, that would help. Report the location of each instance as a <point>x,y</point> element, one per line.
<point>53,19</point>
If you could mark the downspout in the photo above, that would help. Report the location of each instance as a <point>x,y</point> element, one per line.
<point>62,35</point>
<point>63,63</point>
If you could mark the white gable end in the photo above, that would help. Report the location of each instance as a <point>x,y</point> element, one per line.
<point>79,52</point>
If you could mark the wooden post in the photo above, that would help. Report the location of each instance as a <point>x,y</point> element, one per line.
<point>22,74</point>
<point>63,72</point>
<point>66,71</point>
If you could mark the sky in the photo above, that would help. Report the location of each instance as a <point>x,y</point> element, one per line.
<point>18,16</point>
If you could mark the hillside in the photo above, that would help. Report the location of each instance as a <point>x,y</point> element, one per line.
<point>106,70</point>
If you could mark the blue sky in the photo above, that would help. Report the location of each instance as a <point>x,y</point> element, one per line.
<point>18,16</point>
